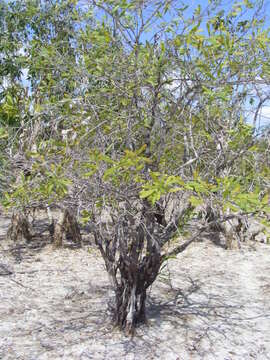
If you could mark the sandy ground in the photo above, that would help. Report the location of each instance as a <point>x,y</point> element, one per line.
<point>208,303</point>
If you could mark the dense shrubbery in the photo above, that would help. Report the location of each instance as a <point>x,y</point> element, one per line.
<point>120,107</point>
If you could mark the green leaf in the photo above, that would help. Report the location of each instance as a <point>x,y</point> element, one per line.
<point>3,133</point>
<point>176,189</point>
<point>195,201</point>
<point>146,193</point>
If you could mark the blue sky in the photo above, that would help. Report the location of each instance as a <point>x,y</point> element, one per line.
<point>264,116</point>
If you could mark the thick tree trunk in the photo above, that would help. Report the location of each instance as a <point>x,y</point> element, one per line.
<point>20,229</point>
<point>131,291</point>
<point>51,221</point>
<point>131,250</point>
<point>129,307</point>
<point>67,228</point>
<point>232,231</point>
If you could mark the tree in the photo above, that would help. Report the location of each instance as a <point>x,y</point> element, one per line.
<point>134,123</point>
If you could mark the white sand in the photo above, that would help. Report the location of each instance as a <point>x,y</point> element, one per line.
<point>215,306</point>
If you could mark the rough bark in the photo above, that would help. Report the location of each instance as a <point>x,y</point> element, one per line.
<point>129,307</point>
<point>230,232</point>
<point>131,240</point>
<point>132,257</point>
<point>67,229</point>
<point>20,229</point>
<point>130,293</point>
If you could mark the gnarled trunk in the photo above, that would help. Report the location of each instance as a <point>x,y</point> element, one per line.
<point>67,228</point>
<point>132,273</point>
<point>131,246</point>
<point>131,291</point>
<point>20,228</point>
<point>129,306</point>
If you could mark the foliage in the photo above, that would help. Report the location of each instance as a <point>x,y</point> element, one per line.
<point>125,106</point>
